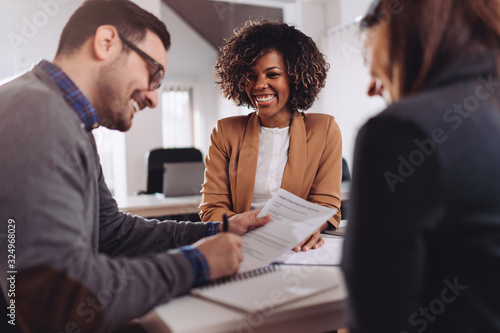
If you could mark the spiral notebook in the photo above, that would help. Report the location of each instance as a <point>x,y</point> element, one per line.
<point>268,287</point>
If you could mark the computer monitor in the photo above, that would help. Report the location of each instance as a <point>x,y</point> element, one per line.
<point>182,178</point>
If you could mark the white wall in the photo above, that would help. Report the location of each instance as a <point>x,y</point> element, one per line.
<point>145,133</point>
<point>331,25</point>
<point>191,60</point>
<point>29,32</point>
<point>350,9</point>
<point>333,13</point>
<point>345,92</point>
<point>313,18</point>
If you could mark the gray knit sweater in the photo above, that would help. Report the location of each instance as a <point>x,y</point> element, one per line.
<point>80,262</point>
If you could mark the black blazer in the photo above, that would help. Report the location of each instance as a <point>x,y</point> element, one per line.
<point>422,250</point>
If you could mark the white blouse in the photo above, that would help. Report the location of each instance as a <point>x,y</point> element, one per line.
<point>274,144</point>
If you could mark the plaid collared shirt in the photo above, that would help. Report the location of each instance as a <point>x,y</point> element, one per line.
<point>73,95</point>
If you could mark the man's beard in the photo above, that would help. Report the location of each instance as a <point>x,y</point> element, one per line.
<point>116,108</point>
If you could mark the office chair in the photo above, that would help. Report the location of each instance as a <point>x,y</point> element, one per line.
<point>159,156</point>
<point>346,177</point>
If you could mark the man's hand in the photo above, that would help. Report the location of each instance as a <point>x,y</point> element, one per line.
<point>241,223</point>
<point>222,253</point>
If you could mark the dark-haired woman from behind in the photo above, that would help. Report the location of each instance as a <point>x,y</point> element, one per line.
<point>422,249</point>
<point>279,71</point>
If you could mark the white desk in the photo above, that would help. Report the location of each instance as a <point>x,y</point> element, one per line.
<point>157,205</point>
<point>188,314</point>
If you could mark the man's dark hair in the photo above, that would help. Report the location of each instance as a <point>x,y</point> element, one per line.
<point>130,20</point>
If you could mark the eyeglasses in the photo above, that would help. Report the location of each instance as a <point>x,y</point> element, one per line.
<point>157,76</point>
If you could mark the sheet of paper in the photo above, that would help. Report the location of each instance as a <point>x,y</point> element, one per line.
<point>292,220</point>
<point>329,254</point>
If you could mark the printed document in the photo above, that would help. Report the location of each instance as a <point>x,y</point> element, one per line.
<point>292,220</point>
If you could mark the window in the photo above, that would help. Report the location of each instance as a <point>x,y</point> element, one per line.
<point>177,117</point>
<point>111,148</point>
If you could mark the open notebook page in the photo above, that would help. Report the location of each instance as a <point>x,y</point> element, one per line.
<point>270,288</point>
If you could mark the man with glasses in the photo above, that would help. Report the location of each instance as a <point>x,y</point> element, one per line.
<point>79,264</point>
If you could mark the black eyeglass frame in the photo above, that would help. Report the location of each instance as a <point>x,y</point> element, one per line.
<point>156,78</point>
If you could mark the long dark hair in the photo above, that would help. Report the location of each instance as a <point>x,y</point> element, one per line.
<point>427,35</point>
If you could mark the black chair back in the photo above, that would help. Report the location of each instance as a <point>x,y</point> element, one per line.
<point>159,156</point>
<point>346,175</point>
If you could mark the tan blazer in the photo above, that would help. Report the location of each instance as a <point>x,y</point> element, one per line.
<point>313,170</point>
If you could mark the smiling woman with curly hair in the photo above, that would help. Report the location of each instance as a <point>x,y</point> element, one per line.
<point>306,65</point>
<point>279,71</point>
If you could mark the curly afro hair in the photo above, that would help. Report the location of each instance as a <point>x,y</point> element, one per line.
<point>306,65</point>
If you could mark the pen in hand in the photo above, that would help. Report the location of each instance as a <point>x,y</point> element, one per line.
<point>225,222</point>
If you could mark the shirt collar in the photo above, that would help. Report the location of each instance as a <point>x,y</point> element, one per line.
<point>73,95</point>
